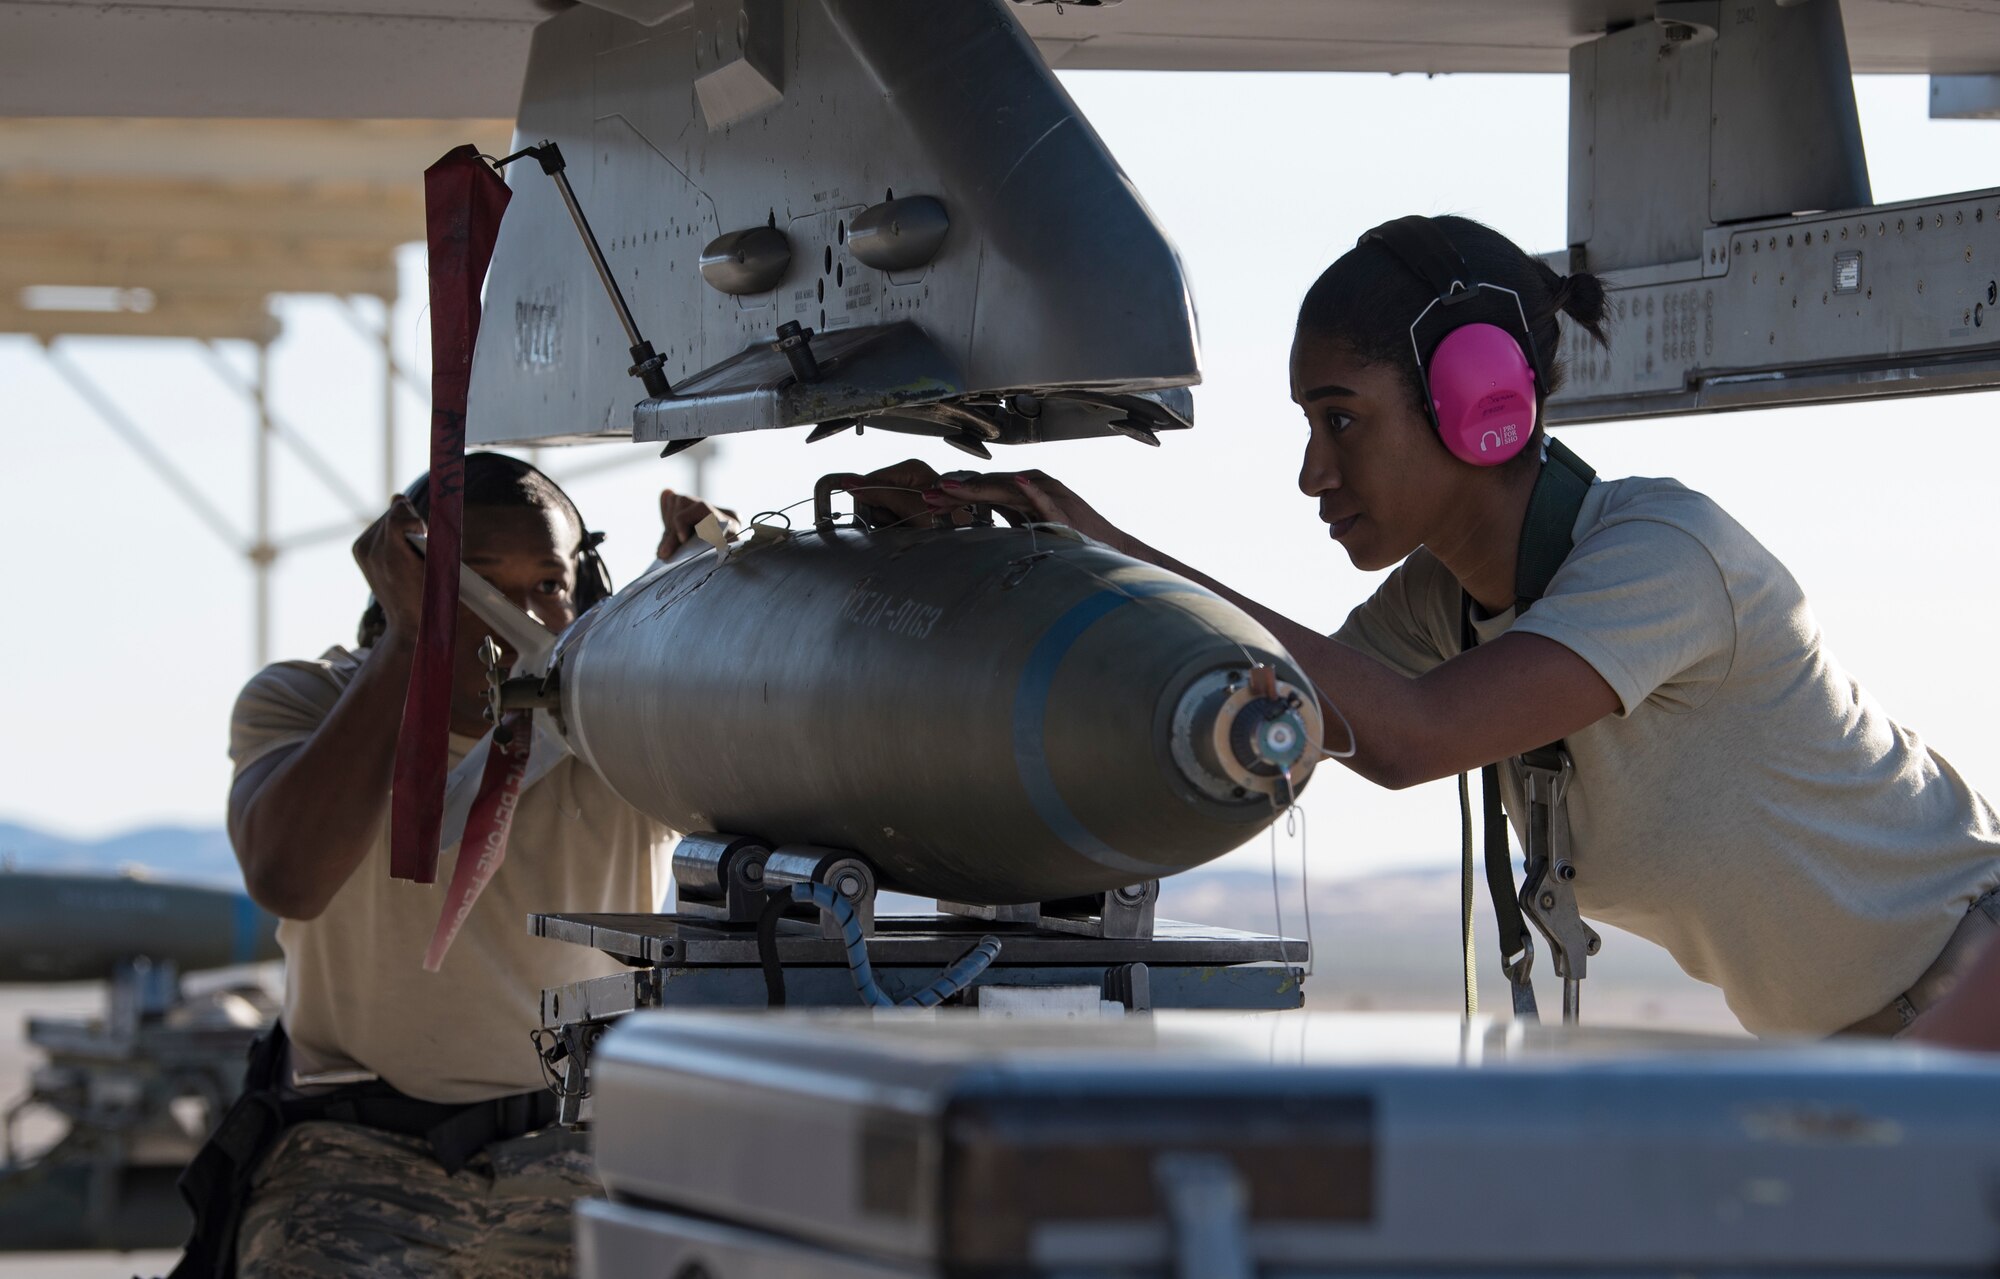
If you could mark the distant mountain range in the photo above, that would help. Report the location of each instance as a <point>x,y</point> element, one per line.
<point>194,854</point>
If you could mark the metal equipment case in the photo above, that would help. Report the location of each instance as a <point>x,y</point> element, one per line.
<point>1220,1144</point>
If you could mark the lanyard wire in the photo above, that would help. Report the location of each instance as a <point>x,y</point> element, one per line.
<point>1466,895</point>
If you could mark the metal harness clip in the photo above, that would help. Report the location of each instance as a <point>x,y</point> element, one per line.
<point>1548,889</point>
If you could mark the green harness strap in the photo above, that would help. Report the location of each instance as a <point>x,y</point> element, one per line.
<point>1549,531</point>
<point>1547,535</point>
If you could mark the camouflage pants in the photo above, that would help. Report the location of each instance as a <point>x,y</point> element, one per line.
<point>340,1199</point>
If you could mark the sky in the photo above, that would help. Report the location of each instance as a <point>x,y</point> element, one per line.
<point>131,626</point>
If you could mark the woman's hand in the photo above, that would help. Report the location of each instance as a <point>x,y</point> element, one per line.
<point>1025,497</point>
<point>893,495</point>
<point>911,493</point>
<point>679,515</point>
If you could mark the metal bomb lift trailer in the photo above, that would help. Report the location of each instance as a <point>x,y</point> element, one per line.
<point>1079,958</point>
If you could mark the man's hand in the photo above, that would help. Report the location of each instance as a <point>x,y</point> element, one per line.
<point>394,569</point>
<point>679,515</point>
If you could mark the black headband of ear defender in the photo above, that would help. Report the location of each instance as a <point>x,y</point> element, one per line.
<point>1460,299</point>
<point>593,579</point>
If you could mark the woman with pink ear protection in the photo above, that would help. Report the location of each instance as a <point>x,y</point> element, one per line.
<point>1731,793</point>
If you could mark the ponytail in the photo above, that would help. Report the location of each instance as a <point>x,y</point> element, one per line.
<point>1581,298</point>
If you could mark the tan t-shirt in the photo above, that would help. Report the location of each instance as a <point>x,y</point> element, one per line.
<point>1748,807</point>
<point>356,994</point>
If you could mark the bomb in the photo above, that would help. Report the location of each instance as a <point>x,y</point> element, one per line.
<point>988,715</point>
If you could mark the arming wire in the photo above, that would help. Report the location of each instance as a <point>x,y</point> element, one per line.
<point>1353,744</point>
<point>780,512</point>
<point>1297,810</point>
<point>1467,942</point>
<point>1277,905</point>
<point>1295,828</point>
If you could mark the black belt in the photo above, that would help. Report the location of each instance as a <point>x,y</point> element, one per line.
<point>455,1133</point>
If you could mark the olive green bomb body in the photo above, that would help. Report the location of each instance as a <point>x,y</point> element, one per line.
<point>988,715</point>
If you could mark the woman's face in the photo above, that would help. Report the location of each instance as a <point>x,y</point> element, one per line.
<point>1383,481</point>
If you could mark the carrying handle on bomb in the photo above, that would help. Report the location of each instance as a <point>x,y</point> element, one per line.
<point>648,365</point>
<point>827,485</point>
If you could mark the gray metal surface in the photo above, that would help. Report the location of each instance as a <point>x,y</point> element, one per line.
<point>617,1241</point>
<point>1794,310</point>
<point>1787,134</point>
<point>1965,97</point>
<point>720,876</point>
<point>1638,148</point>
<point>1366,1145</point>
<point>1237,987</point>
<point>1740,111</point>
<point>811,116</point>
<point>815,654</point>
<point>1123,912</point>
<point>1435,36</point>
<point>924,941</point>
<point>747,262</point>
<point>899,235</point>
<point>1693,146</point>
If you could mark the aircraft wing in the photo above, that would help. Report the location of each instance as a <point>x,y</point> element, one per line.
<point>442,59</point>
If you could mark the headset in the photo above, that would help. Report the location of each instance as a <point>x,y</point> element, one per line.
<point>593,579</point>
<point>1474,353</point>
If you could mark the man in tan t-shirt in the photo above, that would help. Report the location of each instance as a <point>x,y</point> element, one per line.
<point>313,743</point>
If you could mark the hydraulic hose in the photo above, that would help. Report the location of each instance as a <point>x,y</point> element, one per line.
<point>831,904</point>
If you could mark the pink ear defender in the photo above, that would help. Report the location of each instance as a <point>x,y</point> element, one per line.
<point>1478,380</point>
<point>1482,392</point>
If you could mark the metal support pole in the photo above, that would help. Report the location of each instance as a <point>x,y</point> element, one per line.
<point>389,486</point>
<point>393,372</point>
<point>155,459</point>
<point>261,552</point>
<point>647,364</point>
<point>360,323</point>
<point>285,433</point>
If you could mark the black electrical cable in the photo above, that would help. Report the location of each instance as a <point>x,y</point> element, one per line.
<point>775,903</point>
